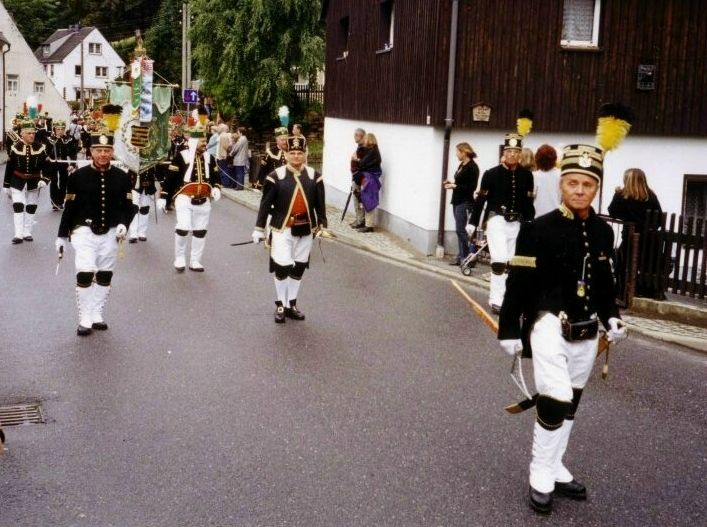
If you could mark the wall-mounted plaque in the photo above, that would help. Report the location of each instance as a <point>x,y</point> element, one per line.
<point>481,112</point>
<point>646,77</point>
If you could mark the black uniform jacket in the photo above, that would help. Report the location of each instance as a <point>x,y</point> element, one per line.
<point>204,171</point>
<point>547,269</point>
<point>31,162</point>
<point>279,194</point>
<point>509,191</point>
<point>145,182</point>
<point>62,148</point>
<point>100,199</point>
<point>274,158</point>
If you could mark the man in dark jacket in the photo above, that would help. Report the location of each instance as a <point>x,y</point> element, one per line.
<point>560,287</point>
<point>507,190</point>
<point>97,211</point>
<point>293,196</point>
<point>61,149</point>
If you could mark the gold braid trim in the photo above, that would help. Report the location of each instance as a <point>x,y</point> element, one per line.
<point>523,261</point>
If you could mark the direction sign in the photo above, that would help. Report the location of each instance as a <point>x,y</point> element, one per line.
<point>190,96</point>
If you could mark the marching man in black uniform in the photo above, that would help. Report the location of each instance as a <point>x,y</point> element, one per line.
<point>26,172</point>
<point>561,286</point>
<point>275,157</point>
<point>97,210</point>
<point>61,147</point>
<point>508,192</point>
<point>293,195</point>
<point>144,189</point>
<point>193,181</point>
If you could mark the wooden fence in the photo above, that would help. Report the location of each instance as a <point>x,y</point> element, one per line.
<point>672,256</point>
<point>310,94</point>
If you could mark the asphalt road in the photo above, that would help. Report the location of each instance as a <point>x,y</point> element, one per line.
<point>383,408</point>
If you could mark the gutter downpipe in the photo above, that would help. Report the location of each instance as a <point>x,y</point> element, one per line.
<point>4,83</point>
<point>448,120</point>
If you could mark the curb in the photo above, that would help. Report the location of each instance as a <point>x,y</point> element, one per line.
<point>688,342</point>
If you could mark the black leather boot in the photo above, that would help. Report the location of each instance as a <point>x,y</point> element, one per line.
<point>294,313</point>
<point>280,314</point>
<point>573,490</point>
<point>82,331</point>
<point>540,502</point>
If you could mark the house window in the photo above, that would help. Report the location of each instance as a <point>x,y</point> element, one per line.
<point>77,70</point>
<point>94,48</point>
<point>343,40</point>
<point>51,70</point>
<point>46,50</point>
<point>387,25</point>
<point>38,87</point>
<point>695,196</point>
<point>102,71</point>
<point>580,23</point>
<point>13,82</point>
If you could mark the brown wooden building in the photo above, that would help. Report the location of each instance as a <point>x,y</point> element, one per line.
<point>510,55</point>
<point>389,63</point>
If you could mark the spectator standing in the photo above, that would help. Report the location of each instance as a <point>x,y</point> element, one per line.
<point>630,204</point>
<point>369,166</point>
<point>463,186</point>
<point>359,136</point>
<point>239,152</point>
<point>547,181</point>
<point>212,144</point>
<point>224,143</point>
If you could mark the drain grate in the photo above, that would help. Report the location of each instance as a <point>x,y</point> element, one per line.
<point>21,414</point>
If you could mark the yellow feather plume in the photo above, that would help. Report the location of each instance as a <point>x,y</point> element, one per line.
<point>611,132</point>
<point>524,125</point>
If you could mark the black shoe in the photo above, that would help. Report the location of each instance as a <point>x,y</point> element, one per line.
<point>28,239</point>
<point>100,326</point>
<point>82,331</point>
<point>496,310</point>
<point>366,229</point>
<point>294,313</point>
<point>457,263</point>
<point>143,238</point>
<point>540,502</point>
<point>132,240</point>
<point>15,241</point>
<point>280,315</point>
<point>179,269</point>
<point>356,225</point>
<point>196,269</point>
<point>573,490</point>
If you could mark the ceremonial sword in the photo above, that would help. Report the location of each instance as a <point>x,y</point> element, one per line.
<point>517,366</point>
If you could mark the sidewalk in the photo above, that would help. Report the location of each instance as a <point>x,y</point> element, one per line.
<point>389,246</point>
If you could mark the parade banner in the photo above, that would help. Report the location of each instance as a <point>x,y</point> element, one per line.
<point>136,76</point>
<point>146,92</point>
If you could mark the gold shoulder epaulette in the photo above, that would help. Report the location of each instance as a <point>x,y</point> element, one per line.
<point>523,261</point>
<point>567,213</point>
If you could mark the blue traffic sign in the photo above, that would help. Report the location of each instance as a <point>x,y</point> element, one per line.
<point>190,96</point>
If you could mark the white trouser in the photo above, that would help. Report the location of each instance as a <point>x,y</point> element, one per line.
<point>501,236</point>
<point>24,221</point>
<point>138,227</point>
<point>558,366</point>
<point>286,249</point>
<point>94,252</point>
<point>190,218</point>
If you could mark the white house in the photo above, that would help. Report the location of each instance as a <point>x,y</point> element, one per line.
<point>23,76</point>
<point>61,54</point>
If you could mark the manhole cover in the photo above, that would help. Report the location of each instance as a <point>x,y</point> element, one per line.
<point>21,414</point>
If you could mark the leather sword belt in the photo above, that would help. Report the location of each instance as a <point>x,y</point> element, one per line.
<point>27,176</point>
<point>197,192</point>
<point>580,330</point>
<point>297,219</point>
<point>299,224</point>
<point>512,216</point>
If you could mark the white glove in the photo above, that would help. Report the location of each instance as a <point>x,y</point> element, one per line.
<point>121,232</point>
<point>216,193</point>
<point>617,330</point>
<point>60,245</point>
<point>41,184</point>
<point>162,204</point>
<point>258,236</point>
<point>511,346</point>
<point>470,229</point>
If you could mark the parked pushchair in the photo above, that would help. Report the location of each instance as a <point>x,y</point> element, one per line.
<point>479,248</point>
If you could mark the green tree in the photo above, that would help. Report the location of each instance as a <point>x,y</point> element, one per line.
<point>247,52</point>
<point>163,41</point>
<point>34,18</point>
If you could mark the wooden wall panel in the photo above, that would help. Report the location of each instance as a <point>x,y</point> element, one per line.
<point>509,56</point>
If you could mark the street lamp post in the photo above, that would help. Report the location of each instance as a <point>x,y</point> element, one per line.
<point>5,47</point>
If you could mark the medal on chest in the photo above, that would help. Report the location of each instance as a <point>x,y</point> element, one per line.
<point>581,283</point>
